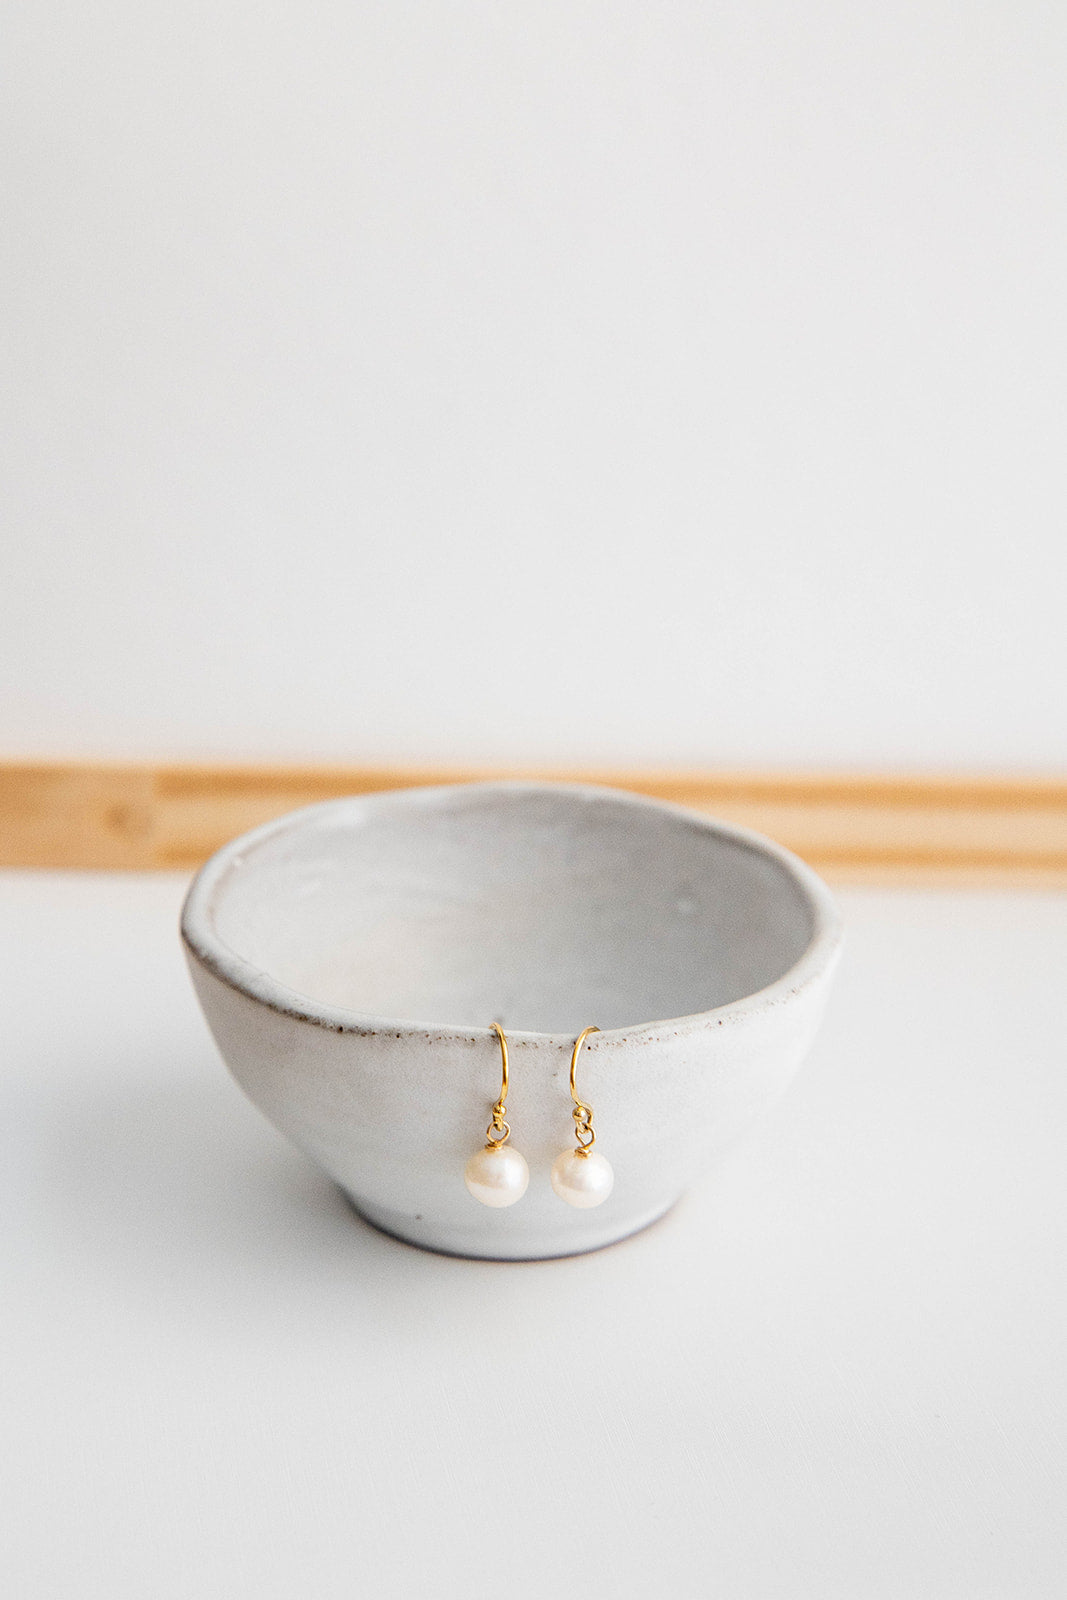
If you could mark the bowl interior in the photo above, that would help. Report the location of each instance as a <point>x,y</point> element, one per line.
<point>542,908</point>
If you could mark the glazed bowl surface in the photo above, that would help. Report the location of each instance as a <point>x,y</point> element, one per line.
<point>351,957</point>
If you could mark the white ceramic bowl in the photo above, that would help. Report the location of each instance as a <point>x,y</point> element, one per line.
<point>350,958</point>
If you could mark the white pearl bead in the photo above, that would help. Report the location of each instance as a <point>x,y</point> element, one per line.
<point>497,1177</point>
<point>582,1178</point>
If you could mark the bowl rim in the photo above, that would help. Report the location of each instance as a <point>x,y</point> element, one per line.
<point>233,970</point>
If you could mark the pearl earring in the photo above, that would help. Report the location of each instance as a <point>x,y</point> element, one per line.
<point>497,1175</point>
<point>582,1177</point>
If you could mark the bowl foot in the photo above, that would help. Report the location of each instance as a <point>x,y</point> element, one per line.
<point>424,1235</point>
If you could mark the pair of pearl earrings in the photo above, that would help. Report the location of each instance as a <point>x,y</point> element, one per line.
<point>497,1175</point>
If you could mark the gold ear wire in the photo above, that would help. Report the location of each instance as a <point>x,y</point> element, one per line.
<point>582,1177</point>
<point>498,1131</point>
<point>582,1113</point>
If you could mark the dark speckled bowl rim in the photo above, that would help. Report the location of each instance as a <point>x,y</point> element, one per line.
<point>232,969</point>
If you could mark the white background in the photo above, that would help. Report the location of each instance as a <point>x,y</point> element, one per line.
<point>579,381</point>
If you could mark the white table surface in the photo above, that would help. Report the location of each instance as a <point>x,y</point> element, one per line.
<point>837,1369</point>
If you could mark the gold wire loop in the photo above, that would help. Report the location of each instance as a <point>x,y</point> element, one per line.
<point>583,1127</point>
<point>582,1113</point>
<point>498,1131</point>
